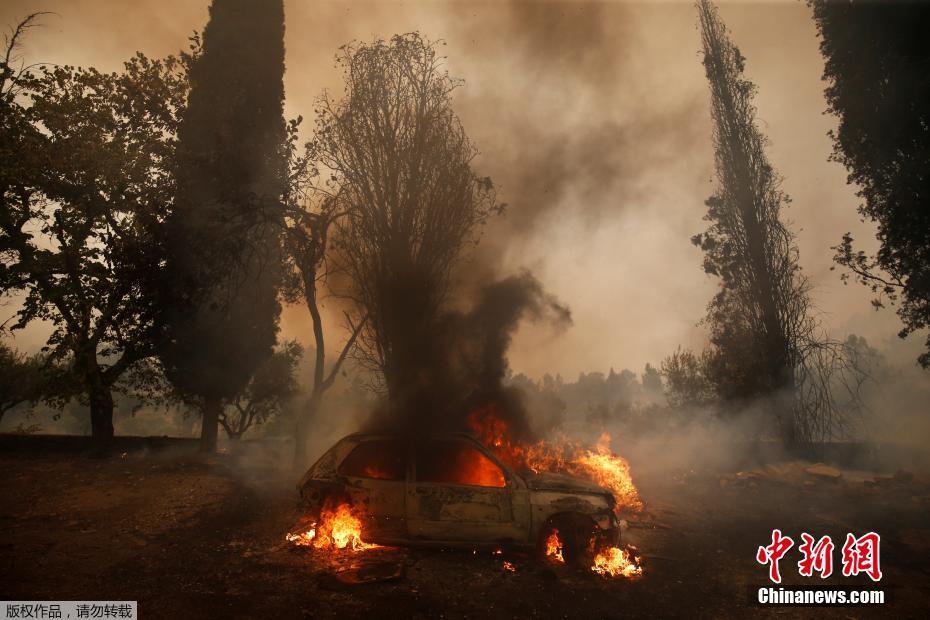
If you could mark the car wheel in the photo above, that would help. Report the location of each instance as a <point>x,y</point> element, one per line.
<point>576,533</point>
<point>578,547</point>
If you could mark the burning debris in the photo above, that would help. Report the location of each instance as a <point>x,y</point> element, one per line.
<point>554,548</point>
<point>302,539</point>
<point>616,562</point>
<point>599,464</point>
<point>338,528</point>
<point>608,562</point>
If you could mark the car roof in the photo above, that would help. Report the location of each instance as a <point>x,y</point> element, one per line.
<point>389,435</point>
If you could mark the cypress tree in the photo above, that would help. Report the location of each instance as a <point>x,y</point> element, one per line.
<point>761,312</point>
<point>223,246</point>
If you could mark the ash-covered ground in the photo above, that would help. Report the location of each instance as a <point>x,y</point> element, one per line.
<point>195,537</point>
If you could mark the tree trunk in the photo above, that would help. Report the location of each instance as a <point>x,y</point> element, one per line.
<point>785,410</point>
<point>302,426</point>
<point>101,413</point>
<point>316,396</point>
<point>212,407</point>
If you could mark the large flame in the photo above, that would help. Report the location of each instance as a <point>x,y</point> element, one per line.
<point>554,547</point>
<point>338,528</point>
<point>599,464</point>
<point>609,562</point>
<point>615,562</point>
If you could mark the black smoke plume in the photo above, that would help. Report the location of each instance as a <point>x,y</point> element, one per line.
<point>463,362</point>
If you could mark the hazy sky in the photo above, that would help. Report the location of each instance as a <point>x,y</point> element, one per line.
<point>593,119</point>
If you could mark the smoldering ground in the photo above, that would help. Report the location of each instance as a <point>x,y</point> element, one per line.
<point>190,538</point>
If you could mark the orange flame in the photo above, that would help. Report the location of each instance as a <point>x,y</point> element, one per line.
<point>615,562</point>
<point>373,471</point>
<point>338,529</point>
<point>302,539</point>
<point>554,547</point>
<point>599,464</point>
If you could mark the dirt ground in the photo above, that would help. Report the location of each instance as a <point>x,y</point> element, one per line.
<point>193,537</point>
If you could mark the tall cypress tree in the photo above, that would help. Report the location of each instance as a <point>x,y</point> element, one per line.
<point>222,268</point>
<point>761,313</point>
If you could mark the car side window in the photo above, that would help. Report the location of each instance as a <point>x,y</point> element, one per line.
<point>381,459</point>
<point>457,462</point>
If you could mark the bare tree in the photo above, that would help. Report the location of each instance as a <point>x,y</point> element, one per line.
<point>399,167</point>
<point>11,75</point>
<point>310,214</point>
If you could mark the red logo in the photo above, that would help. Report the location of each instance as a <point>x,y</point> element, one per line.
<point>860,555</point>
<point>817,557</point>
<point>773,553</point>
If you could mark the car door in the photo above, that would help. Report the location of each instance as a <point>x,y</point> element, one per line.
<point>458,493</point>
<point>375,472</point>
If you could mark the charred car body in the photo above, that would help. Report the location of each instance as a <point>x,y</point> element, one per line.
<point>450,490</point>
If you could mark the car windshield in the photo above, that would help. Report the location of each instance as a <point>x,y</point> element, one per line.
<point>457,462</point>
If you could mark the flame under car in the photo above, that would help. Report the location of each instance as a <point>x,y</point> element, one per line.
<point>450,490</point>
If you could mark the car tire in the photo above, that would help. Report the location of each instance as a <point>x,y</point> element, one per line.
<point>578,547</point>
<point>577,534</point>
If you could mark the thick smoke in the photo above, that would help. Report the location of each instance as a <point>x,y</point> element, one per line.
<point>485,335</point>
<point>592,119</point>
<point>463,361</point>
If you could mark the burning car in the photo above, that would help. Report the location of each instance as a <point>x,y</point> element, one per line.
<point>451,490</point>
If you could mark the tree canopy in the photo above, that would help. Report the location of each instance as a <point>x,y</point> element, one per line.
<point>85,180</point>
<point>400,163</point>
<point>877,56</point>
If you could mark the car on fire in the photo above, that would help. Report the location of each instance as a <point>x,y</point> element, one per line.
<point>451,490</point>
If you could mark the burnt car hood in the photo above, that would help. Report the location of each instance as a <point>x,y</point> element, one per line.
<point>547,481</point>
